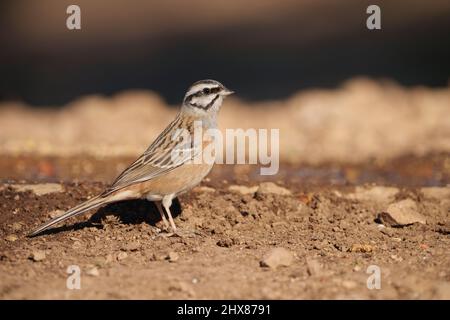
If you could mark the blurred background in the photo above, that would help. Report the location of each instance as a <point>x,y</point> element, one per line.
<point>339,93</point>
<point>264,49</point>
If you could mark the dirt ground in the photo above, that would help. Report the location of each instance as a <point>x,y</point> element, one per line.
<point>364,181</point>
<point>328,225</point>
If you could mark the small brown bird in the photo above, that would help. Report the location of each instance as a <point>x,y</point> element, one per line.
<point>157,175</point>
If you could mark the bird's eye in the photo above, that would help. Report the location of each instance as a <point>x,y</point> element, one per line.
<point>206,91</point>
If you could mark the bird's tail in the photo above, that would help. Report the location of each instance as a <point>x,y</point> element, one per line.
<point>85,206</point>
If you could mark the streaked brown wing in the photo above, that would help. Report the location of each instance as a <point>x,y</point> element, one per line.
<point>158,159</point>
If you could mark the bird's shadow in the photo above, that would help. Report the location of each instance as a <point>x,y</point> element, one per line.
<point>128,212</point>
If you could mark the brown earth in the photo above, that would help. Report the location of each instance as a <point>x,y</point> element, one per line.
<point>330,229</point>
<point>365,170</point>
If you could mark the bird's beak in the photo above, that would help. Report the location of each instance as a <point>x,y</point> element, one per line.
<point>226,92</point>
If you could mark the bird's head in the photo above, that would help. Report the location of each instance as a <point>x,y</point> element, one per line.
<point>205,97</point>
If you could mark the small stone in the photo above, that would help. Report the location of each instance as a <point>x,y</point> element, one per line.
<point>226,243</point>
<point>272,188</point>
<point>55,213</point>
<point>341,247</point>
<point>157,257</point>
<point>396,258</point>
<point>364,248</point>
<point>172,256</point>
<point>401,213</point>
<point>122,256</point>
<point>16,226</point>
<point>11,238</point>
<point>278,257</point>
<point>93,272</point>
<point>37,255</point>
<point>243,189</point>
<point>357,268</point>
<point>306,198</point>
<point>313,267</point>
<point>76,245</point>
<point>17,197</point>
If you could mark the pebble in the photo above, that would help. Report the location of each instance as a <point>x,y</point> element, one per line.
<point>401,213</point>
<point>226,243</point>
<point>243,189</point>
<point>157,257</point>
<point>122,256</point>
<point>37,255</point>
<point>55,213</point>
<point>277,257</point>
<point>357,268</point>
<point>272,188</point>
<point>364,248</point>
<point>172,256</point>
<point>16,226</point>
<point>93,272</point>
<point>11,238</point>
<point>396,258</point>
<point>76,245</point>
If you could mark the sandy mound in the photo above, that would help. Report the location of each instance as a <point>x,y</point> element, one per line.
<point>361,120</point>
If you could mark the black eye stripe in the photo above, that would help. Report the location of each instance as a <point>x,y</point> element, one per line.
<point>201,92</point>
<point>209,105</point>
<point>215,90</point>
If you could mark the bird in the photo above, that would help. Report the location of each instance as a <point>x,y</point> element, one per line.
<point>158,175</point>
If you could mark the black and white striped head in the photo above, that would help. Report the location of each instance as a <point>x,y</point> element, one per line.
<point>205,97</point>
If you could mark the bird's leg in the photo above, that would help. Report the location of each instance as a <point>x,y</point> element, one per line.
<point>161,212</point>
<point>167,202</point>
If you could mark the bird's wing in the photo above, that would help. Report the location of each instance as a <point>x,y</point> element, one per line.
<point>164,155</point>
